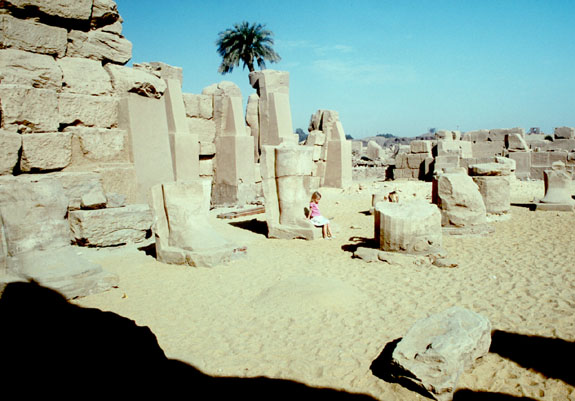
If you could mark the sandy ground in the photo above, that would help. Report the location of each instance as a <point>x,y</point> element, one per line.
<point>309,312</point>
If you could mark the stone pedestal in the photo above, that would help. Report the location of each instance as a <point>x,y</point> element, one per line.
<point>411,227</point>
<point>558,183</point>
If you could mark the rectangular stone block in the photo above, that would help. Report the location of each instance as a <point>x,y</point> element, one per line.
<point>146,123</point>
<point>24,34</point>
<point>540,159</point>
<point>536,172</point>
<point>185,155</point>
<point>42,152</point>
<point>99,45</point>
<point>564,133</point>
<point>338,165</point>
<point>204,129</point>
<point>10,144</point>
<point>401,161</point>
<point>522,162</point>
<point>120,178</point>
<point>84,76</point>
<point>420,146</point>
<point>30,70</point>
<point>207,148</point>
<point>199,106</point>
<point>414,160</point>
<point>447,148</point>
<point>29,109</point>
<point>476,136</point>
<point>97,146</point>
<point>404,173</point>
<point>77,9</point>
<point>76,184</point>
<point>488,149</point>
<point>90,111</point>
<point>558,156</point>
<point>206,167</point>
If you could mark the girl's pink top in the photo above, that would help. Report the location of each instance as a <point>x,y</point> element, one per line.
<point>314,209</point>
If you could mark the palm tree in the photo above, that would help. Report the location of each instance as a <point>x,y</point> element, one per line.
<point>245,42</point>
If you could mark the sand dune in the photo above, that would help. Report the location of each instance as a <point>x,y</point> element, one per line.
<point>309,312</point>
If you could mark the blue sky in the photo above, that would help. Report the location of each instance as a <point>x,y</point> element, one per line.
<point>397,67</point>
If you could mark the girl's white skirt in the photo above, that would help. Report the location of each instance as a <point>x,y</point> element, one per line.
<point>319,221</point>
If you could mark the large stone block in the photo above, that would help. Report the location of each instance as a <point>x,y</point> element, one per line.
<point>523,163</point>
<point>126,79</point>
<point>420,147</point>
<point>515,142</point>
<point>95,146</point>
<point>163,71</point>
<point>564,133</point>
<point>540,159</point>
<point>490,169</point>
<point>496,193</point>
<point>32,36</point>
<point>121,179</point>
<point>199,106</point>
<point>76,10</point>
<point>41,152</point>
<point>99,45</point>
<point>110,227</point>
<point>476,136</point>
<point>436,350</point>
<point>84,76</point>
<point>29,109</point>
<point>488,149</point>
<point>10,144</point>
<point>459,200</point>
<point>76,185</point>
<point>414,160</point>
<point>90,111</point>
<point>374,150</point>
<point>338,165</point>
<point>204,129</point>
<point>105,13</point>
<point>412,227</point>
<point>207,167</point>
<point>27,69</point>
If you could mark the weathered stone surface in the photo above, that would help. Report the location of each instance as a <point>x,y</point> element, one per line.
<point>253,121</point>
<point>27,69</point>
<point>199,106</point>
<point>508,161</point>
<point>496,193</point>
<point>183,233</point>
<point>98,145</point>
<point>105,13</point>
<point>516,142</point>
<point>32,36</point>
<point>564,133</point>
<point>162,70</point>
<point>444,135</point>
<point>99,45</point>
<point>206,167</point>
<point>557,185</point>
<point>436,350</point>
<point>115,200</point>
<point>90,111</point>
<point>374,150</point>
<point>94,199</point>
<point>85,76</point>
<point>476,136</point>
<point>204,129</point>
<point>412,227</point>
<point>119,178</point>
<point>493,169</point>
<point>109,227</point>
<point>420,147</point>
<point>126,79</point>
<point>77,9</point>
<point>10,144</point>
<point>43,152</point>
<point>459,200</point>
<point>29,109</point>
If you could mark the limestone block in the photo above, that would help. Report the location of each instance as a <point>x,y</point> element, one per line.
<point>175,109</point>
<point>78,9</point>
<point>315,121</point>
<point>404,173</point>
<point>442,163</point>
<point>317,138</point>
<point>331,126</point>
<point>163,71</point>
<point>459,200</point>
<point>27,69</point>
<point>420,147</point>
<point>115,200</point>
<point>280,122</point>
<point>540,159</point>
<point>499,134</point>
<point>146,122</point>
<point>293,160</point>
<point>508,161</point>
<point>448,148</point>
<point>105,12</point>
<point>338,165</point>
<point>24,34</point>
<point>90,111</point>
<point>491,169</point>
<point>558,156</point>
<point>33,214</point>
<point>85,76</point>
<point>268,81</point>
<point>43,152</point>
<point>64,270</point>
<point>564,133</point>
<point>476,136</point>
<point>10,144</point>
<point>401,161</point>
<point>224,88</point>
<point>199,106</point>
<point>121,179</point>
<point>110,227</point>
<point>496,193</point>
<point>411,227</point>
<point>374,150</point>
<point>206,167</point>
<point>414,160</point>
<point>204,129</point>
<point>487,149</point>
<point>98,145</point>
<point>29,109</point>
<point>93,200</point>
<point>99,45</point>
<point>126,79</point>
<point>234,123</point>
<point>516,142</point>
<point>557,184</point>
<point>207,148</point>
<point>316,153</point>
<point>75,185</point>
<point>444,135</point>
<point>436,350</point>
<point>185,156</point>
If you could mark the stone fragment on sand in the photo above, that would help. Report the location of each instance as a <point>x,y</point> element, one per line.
<point>459,200</point>
<point>445,262</point>
<point>436,350</point>
<point>110,227</point>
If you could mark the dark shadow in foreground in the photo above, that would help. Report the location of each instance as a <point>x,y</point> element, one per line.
<point>531,206</point>
<point>52,346</point>
<point>253,225</point>
<point>549,356</point>
<point>470,395</point>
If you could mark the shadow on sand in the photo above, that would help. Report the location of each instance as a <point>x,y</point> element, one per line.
<point>253,225</point>
<point>52,346</point>
<point>359,242</point>
<point>549,356</point>
<point>530,205</point>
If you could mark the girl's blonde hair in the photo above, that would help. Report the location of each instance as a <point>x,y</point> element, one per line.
<point>315,195</point>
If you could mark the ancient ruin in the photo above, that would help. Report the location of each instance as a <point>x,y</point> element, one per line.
<point>557,189</point>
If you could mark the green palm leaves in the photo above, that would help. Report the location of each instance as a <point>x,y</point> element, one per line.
<point>245,43</point>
